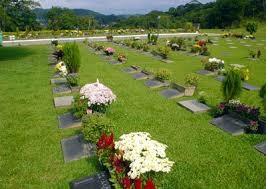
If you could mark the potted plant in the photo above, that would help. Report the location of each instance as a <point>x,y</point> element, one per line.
<point>109,38</point>
<point>191,82</point>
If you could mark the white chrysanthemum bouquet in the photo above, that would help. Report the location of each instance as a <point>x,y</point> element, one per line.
<point>133,159</point>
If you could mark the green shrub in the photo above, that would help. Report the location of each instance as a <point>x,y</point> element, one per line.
<point>72,80</point>
<point>72,57</point>
<point>258,54</point>
<point>80,107</point>
<point>163,51</point>
<point>252,27</point>
<point>202,97</point>
<point>93,126</point>
<point>152,38</point>
<point>252,54</point>
<point>191,80</point>
<point>163,75</point>
<point>231,85</point>
<point>145,47</point>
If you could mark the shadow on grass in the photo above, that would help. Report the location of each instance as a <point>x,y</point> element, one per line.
<point>14,53</point>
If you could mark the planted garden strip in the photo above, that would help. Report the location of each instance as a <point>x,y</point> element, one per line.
<point>153,83</point>
<point>67,121</point>
<point>98,181</point>
<point>63,101</point>
<point>75,148</point>
<point>230,124</point>
<point>194,106</point>
<point>261,147</point>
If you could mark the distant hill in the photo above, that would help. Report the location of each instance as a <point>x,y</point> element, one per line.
<point>102,19</point>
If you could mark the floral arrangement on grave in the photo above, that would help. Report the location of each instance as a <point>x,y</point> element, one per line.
<point>176,44</point>
<point>109,51</point>
<point>122,58</point>
<point>152,38</point>
<point>191,82</point>
<point>61,68</point>
<point>214,64</point>
<point>196,49</point>
<point>133,159</point>
<point>109,38</point>
<point>98,97</point>
<point>162,75</point>
<point>100,48</point>
<point>58,53</point>
<point>163,51</point>
<point>242,70</point>
<point>249,114</point>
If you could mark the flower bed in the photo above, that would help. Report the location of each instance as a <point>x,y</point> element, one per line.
<point>133,159</point>
<point>248,114</point>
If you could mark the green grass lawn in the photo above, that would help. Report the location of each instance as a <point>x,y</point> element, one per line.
<point>205,156</point>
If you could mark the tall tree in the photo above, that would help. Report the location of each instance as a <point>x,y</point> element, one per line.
<point>18,13</point>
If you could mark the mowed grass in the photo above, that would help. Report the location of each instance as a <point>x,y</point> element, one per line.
<point>204,156</point>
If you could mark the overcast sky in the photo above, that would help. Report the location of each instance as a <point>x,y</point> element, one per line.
<point>117,6</point>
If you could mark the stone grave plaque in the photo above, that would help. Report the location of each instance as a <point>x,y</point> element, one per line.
<point>233,47</point>
<point>129,70</point>
<point>171,93</point>
<point>230,124</point>
<point>56,75</point>
<point>152,83</point>
<point>206,72</point>
<point>61,89</point>
<point>215,44</point>
<point>67,121</point>
<point>140,76</point>
<point>58,81</point>
<point>250,87</point>
<point>98,181</point>
<point>230,43</point>
<point>220,78</point>
<point>261,147</point>
<point>114,62</point>
<point>194,106</point>
<point>63,101</point>
<point>259,44</point>
<point>247,45</point>
<point>75,148</point>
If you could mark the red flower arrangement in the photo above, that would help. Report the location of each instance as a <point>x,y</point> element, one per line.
<point>201,43</point>
<point>106,141</point>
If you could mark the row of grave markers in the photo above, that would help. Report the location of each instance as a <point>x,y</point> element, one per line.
<point>75,147</point>
<point>227,123</point>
